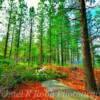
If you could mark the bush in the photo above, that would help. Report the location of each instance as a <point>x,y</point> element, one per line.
<point>6,62</point>
<point>47,75</point>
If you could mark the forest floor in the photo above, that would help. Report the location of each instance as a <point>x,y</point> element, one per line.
<point>74,80</point>
<point>29,91</point>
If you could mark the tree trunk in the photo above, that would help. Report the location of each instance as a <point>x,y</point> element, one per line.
<point>50,50</point>
<point>50,44</point>
<point>18,38</point>
<point>65,53</point>
<point>62,60</point>
<point>41,48</point>
<point>58,55</point>
<point>30,44</point>
<point>92,53</point>
<point>87,61</point>
<point>10,53</point>
<point>7,37</point>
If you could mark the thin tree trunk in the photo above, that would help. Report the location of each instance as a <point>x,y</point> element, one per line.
<point>65,53</point>
<point>41,48</point>
<point>50,44</point>
<point>7,37</point>
<point>68,53</point>
<point>18,38</point>
<point>87,61</point>
<point>78,54</point>
<point>50,51</point>
<point>62,60</point>
<point>10,53</point>
<point>30,44</point>
<point>58,55</point>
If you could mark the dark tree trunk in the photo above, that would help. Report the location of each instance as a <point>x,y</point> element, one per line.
<point>68,53</point>
<point>62,60</point>
<point>30,44</point>
<point>50,49</point>
<point>78,58</point>
<point>18,37</point>
<point>58,56</point>
<point>92,53</point>
<point>7,37</point>
<point>87,61</point>
<point>65,53</point>
<point>10,53</point>
<point>71,56</point>
<point>41,48</point>
<point>50,44</point>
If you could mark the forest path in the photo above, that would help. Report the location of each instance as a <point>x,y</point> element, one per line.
<point>47,90</point>
<point>62,92</point>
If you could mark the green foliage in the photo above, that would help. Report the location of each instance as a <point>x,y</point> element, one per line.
<point>37,33</point>
<point>1,1</point>
<point>47,75</point>
<point>6,62</point>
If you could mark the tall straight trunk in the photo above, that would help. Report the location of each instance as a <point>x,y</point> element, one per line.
<point>7,36</point>
<point>30,44</point>
<point>87,61</point>
<point>65,53</point>
<point>78,54</point>
<point>10,53</point>
<point>50,44</point>
<point>58,55</point>
<point>18,38</point>
<point>50,51</point>
<point>68,53</point>
<point>92,53</point>
<point>71,56</point>
<point>62,60</point>
<point>54,55</point>
<point>41,48</point>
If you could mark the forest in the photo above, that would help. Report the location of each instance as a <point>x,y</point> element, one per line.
<point>48,47</point>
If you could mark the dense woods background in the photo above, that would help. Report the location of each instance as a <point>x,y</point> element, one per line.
<point>49,34</point>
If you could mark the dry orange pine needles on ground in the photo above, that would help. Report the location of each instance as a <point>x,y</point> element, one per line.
<point>29,91</point>
<point>75,79</point>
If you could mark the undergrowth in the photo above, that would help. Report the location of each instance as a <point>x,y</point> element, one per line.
<point>11,75</point>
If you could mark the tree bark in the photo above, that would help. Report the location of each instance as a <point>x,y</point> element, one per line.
<point>10,53</point>
<point>30,44</point>
<point>41,47</point>
<point>92,53</point>
<point>62,57</point>
<point>7,35</point>
<point>18,38</point>
<point>58,55</point>
<point>87,61</point>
